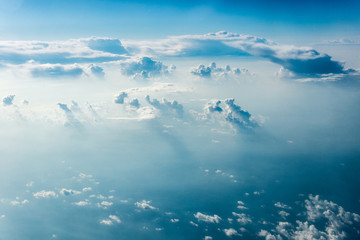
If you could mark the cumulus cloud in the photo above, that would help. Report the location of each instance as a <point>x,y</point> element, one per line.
<point>50,70</point>
<point>97,70</point>
<point>91,50</point>
<point>45,194</point>
<point>110,45</point>
<point>68,192</point>
<point>18,202</point>
<point>207,218</point>
<point>71,120</point>
<point>82,203</point>
<point>119,99</point>
<point>242,218</point>
<point>167,107</point>
<point>283,214</point>
<point>325,220</point>
<point>8,100</point>
<point>231,232</point>
<point>218,72</point>
<point>226,110</point>
<point>145,205</point>
<point>282,205</point>
<point>135,103</point>
<point>302,61</point>
<point>145,68</point>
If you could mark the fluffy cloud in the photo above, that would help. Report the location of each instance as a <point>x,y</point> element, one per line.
<point>67,192</point>
<point>231,232</point>
<point>82,203</point>
<point>91,50</point>
<point>144,68</point>
<point>110,45</point>
<point>119,99</point>
<point>48,70</point>
<point>45,194</point>
<point>228,111</point>
<point>71,119</point>
<point>145,205</point>
<point>8,100</point>
<point>282,205</point>
<point>242,218</point>
<point>166,107</point>
<point>18,202</point>
<point>207,218</point>
<point>113,219</point>
<point>303,61</point>
<point>325,220</point>
<point>218,72</point>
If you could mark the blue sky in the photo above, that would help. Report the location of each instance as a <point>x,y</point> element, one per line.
<point>49,20</point>
<point>179,120</point>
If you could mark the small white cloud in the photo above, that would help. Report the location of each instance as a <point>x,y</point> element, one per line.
<point>174,220</point>
<point>145,205</point>
<point>207,218</point>
<point>106,222</point>
<point>242,218</point>
<point>45,194</point>
<point>19,203</point>
<point>231,232</point>
<point>68,192</point>
<point>281,205</point>
<point>115,218</point>
<point>82,203</point>
<point>283,214</point>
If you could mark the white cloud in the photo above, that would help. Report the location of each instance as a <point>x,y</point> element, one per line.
<point>145,205</point>
<point>227,111</point>
<point>242,218</point>
<point>119,99</point>
<point>45,194</point>
<point>115,218</point>
<point>207,218</point>
<point>18,202</point>
<point>281,205</point>
<point>283,214</point>
<point>145,68</point>
<point>56,70</point>
<point>106,222</point>
<point>231,232</point>
<point>67,192</point>
<point>219,73</point>
<point>167,108</point>
<point>82,203</point>
<point>325,220</point>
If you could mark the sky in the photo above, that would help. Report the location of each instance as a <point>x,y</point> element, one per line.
<point>179,120</point>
